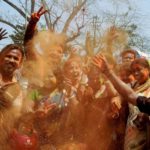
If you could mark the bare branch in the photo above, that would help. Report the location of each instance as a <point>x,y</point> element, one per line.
<point>75,35</point>
<point>32,6</point>
<point>56,20</point>
<point>22,5</point>
<point>49,13</point>
<point>45,15</point>
<point>8,23</point>
<point>49,16</point>
<point>16,8</point>
<point>72,15</point>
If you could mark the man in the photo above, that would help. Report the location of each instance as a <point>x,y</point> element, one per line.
<point>56,50</point>
<point>142,103</point>
<point>52,58</point>
<point>128,56</point>
<point>11,58</point>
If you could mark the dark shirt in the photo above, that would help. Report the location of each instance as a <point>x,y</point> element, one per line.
<point>143,103</point>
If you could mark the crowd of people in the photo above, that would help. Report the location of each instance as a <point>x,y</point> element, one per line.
<point>79,105</point>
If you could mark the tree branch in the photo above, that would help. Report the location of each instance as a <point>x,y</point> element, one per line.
<point>49,14</point>
<point>8,23</point>
<point>75,35</point>
<point>45,15</point>
<point>32,6</point>
<point>56,20</point>
<point>72,15</point>
<point>17,9</point>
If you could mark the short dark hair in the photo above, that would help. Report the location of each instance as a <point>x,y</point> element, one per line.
<point>129,51</point>
<point>10,47</point>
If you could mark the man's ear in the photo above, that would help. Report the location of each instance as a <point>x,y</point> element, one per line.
<point>21,63</point>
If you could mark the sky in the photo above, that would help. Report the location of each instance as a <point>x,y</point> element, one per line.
<point>141,7</point>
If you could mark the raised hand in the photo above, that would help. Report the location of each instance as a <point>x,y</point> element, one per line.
<point>100,61</point>
<point>2,33</point>
<point>70,89</point>
<point>36,16</point>
<point>113,32</point>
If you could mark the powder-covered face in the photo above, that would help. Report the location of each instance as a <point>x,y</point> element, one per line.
<point>140,73</point>
<point>74,70</point>
<point>128,57</point>
<point>50,81</point>
<point>56,54</point>
<point>11,60</point>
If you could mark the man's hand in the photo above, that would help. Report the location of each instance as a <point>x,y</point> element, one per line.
<point>2,33</point>
<point>100,61</point>
<point>36,16</point>
<point>69,88</point>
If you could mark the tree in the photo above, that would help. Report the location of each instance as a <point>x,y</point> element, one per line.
<point>73,18</point>
<point>59,18</point>
<point>126,29</point>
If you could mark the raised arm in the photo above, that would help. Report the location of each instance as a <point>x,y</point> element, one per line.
<point>31,28</point>
<point>35,17</point>
<point>123,89</point>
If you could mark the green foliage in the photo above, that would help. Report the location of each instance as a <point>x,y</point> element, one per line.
<point>18,35</point>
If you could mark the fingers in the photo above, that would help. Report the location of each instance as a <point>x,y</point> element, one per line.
<point>36,16</point>
<point>41,11</point>
<point>96,61</point>
<point>100,56</point>
<point>41,8</point>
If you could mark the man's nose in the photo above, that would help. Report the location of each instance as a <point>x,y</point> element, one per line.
<point>74,69</point>
<point>12,59</point>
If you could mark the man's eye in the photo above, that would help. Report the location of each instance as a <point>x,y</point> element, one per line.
<point>15,58</point>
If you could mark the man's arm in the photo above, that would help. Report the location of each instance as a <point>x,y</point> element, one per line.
<point>31,28</point>
<point>123,89</point>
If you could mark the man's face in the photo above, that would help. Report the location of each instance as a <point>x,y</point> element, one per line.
<point>11,60</point>
<point>128,57</point>
<point>50,81</point>
<point>56,54</point>
<point>140,73</point>
<point>74,71</point>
